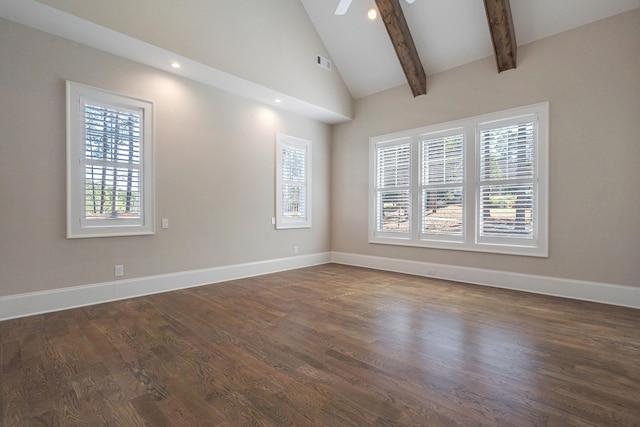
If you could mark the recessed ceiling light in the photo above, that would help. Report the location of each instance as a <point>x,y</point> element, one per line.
<point>372,13</point>
<point>175,64</point>
<point>278,101</point>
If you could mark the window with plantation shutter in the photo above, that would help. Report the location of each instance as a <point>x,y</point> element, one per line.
<point>507,180</point>
<point>392,188</point>
<point>476,184</point>
<point>441,185</point>
<point>109,170</point>
<point>293,182</point>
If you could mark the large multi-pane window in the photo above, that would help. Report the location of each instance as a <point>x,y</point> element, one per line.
<point>293,182</point>
<point>109,149</point>
<point>474,184</point>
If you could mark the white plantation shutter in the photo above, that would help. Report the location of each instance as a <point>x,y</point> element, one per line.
<point>112,162</point>
<point>476,184</point>
<point>392,189</point>
<point>293,185</point>
<point>293,182</point>
<point>507,192</point>
<point>109,163</point>
<point>442,190</point>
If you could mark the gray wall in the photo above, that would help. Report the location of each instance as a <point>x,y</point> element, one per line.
<point>215,171</point>
<point>591,78</point>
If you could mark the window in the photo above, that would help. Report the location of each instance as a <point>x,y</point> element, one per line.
<point>109,163</point>
<point>476,184</point>
<point>293,182</point>
<point>393,184</point>
<point>441,185</point>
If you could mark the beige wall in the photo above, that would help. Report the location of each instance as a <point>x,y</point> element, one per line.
<point>591,78</point>
<point>215,156</point>
<point>215,162</point>
<point>272,43</point>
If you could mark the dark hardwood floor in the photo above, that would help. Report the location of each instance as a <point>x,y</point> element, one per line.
<point>325,346</point>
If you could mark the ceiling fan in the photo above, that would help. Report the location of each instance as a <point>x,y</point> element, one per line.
<point>343,6</point>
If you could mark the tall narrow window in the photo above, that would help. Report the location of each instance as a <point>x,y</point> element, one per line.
<point>507,180</point>
<point>442,179</point>
<point>109,163</point>
<point>293,182</point>
<point>392,188</point>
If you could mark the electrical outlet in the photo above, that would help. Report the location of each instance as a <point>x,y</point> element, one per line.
<point>165,223</point>
<point>295,249</point>
<point>118,270</point>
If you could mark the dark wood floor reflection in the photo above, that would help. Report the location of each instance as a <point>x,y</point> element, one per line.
<point>325,346</point>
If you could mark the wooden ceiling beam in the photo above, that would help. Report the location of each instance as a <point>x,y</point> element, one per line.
<point>503,33</point>
<point>396,24</point>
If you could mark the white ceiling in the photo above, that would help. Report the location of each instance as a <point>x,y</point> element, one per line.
<point>447,33</point>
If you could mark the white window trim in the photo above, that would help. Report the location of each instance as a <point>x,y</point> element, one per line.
<point>77,226</point>
<point>538,246</point>
<point>283,221</point>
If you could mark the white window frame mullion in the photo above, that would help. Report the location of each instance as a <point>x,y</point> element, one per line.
<point>414,193</point>
<point>470,184</point>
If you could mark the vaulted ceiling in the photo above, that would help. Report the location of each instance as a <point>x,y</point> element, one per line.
<point>446,33</point>
<point>266,50</point>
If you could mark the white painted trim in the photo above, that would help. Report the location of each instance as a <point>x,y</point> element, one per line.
<point>28,304</point>
<point>625,296</point>
<point>22,305</point>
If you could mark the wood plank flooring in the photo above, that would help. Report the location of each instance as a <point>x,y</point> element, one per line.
<point>325,346</point>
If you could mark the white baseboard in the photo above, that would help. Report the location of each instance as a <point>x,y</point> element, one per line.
<point>625,296</point>
<point>22,305</point>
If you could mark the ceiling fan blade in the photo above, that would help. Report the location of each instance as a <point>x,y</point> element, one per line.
<point>342,7</point>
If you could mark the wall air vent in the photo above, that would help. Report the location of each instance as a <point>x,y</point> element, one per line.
<point>323,62</point>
